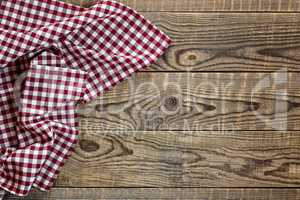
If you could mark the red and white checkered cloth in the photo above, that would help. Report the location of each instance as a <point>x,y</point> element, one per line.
<point>54,56</point>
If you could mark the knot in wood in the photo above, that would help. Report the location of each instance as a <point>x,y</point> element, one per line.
<point>88,145</point>
<point>171,103</point>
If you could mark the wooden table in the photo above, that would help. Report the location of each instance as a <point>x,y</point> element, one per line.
<point>217,117</point>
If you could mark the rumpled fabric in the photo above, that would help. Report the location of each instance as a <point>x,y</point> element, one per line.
<point>55,56</point>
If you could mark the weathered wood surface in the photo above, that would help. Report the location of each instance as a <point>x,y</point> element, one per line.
<point>229,42</point>
<point>198,101</point>
<point>183,159</point>
<point>165,193</point>
<point>207,5</point>
<point>198,135</point>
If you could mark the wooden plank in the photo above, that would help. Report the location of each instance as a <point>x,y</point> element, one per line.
<point>183,159</point>
<point>207,5</point>
<point>198,101</point>
<point>164,193</point>
<point>229,42</point>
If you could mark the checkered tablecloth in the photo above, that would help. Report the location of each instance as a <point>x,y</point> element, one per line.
<point>53,57</point>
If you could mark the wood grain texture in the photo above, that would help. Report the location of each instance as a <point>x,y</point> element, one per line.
<point>198,101</point>
<point>165,193</point>
<point>207,5</point>
<point>183,159</point>
<point>229,42</point>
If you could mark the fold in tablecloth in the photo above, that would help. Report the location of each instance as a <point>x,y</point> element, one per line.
<point>54,56</point>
